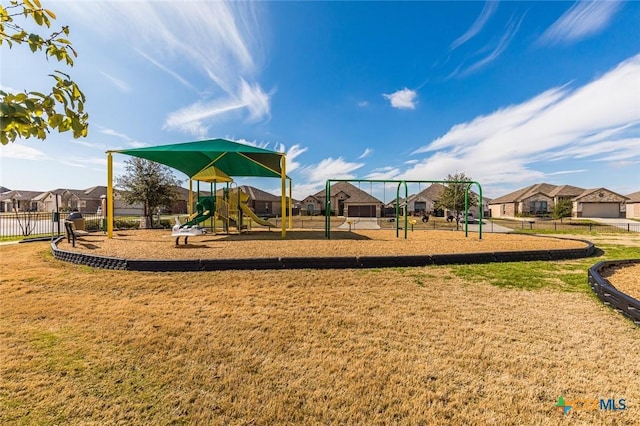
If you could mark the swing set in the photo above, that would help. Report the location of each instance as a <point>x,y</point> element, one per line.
<point>400,184</point>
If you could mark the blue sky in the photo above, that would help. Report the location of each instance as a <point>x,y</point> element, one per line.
<point>511,93</point>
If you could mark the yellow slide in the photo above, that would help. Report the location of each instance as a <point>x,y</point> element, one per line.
<point>246,210</point>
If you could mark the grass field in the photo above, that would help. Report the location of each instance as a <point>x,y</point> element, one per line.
<point>481,344</point>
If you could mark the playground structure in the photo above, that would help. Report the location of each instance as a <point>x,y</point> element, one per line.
<point>400,184</point>
<point>230,208</point>
<point>212,161</point>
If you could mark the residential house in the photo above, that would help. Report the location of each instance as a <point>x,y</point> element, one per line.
<point>540,199</point>
<point>346,200</point>
<point>633,205</point>
<point>263,203</point>
<point>426,201</point>
<point>19,200</point>
<point>599,202</point>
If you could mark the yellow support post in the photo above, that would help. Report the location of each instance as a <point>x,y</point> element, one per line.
<point>109,211</point>
<point>290,206</point>
<point>283,199</point>
<point>190,207</point>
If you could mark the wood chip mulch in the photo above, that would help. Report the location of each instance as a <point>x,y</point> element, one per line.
<point>159,244</point>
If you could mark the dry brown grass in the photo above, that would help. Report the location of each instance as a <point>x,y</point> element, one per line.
<point>158,244</point>
<point>392,346</point>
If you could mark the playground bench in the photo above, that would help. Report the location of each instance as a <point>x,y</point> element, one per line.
<point>72,233</point>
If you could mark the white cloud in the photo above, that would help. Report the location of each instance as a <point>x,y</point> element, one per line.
<point>402,99</point>
<point>503,43</point>
<point>363,104</point>
<point>123,86</point>
<point>292,153</point>
<point>384,173</point>
<point>331,168</point>
<point>582,20</point>
<point>131,143</point>
<point>487,11</point>
<point>218,39</point>
<point>567,172</point>
<point>367,152</point>
<point>19,151</point>
<point>599,121</point>
<point>173,74</point>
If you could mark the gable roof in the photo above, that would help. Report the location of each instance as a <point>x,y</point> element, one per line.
<point>258,194</point>
<point>566,191</point>
<point>587,192</point>
<point>539,188</point>
<point>356,195</point>
<point>19,195</point>
<point>634,197</point>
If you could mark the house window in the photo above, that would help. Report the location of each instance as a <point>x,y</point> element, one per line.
<point>537,207</point>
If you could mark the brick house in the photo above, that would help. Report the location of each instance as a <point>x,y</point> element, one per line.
<point>346,200</point>
<point>633,205</point>
<point>540,200</point>
<point>599,202</point>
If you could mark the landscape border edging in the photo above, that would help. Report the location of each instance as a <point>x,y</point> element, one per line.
<point>195,265</point>
<point>610,295</point>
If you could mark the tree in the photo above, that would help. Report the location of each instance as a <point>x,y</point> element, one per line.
<point>34,114</point>
<point>562,209</point>
<point>150,183</point>
<point>452,197</point>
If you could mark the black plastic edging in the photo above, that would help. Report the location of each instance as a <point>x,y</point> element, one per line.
<point>187,265</point>
<point>610,295</point>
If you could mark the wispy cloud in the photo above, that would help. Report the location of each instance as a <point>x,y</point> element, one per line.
<point>217,39</point>
<point>383,173</point>
<point>172,73</point>
<point>488,10</point>
<point>402,99</point>
<point>363,104</point>
<point>293,152</point>
<point>19,151</point>
<point>131,143</point>
<point>599,121</point>
<point>582,20</point>
<point>503,43</point>
<point>120,84</point>
<point>331,168</point>
<point>567,172</point>
<point>367,152</point>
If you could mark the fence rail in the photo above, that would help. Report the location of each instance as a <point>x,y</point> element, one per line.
<point>49,224</point>
<point>43,224</point>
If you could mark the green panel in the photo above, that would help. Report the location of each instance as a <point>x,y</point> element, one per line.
<point>232,158</point>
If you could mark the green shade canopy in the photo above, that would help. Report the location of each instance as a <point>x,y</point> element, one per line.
<point>232,158</point>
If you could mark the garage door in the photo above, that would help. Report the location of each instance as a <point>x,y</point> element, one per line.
<point>361,211</point>
<point>600,209</point>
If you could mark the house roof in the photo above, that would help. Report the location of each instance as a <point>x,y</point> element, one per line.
<point>3,189</point>
<point>356,195</point>
<point>258,194</point>
<point>19,195</point>
<point>587,192</point>
<point>566,191</point>
<point>539,188</point>
<point>634,197</point>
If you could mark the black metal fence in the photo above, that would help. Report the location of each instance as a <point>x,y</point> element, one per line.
<point>43,224</point>
<point>48,224</point>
